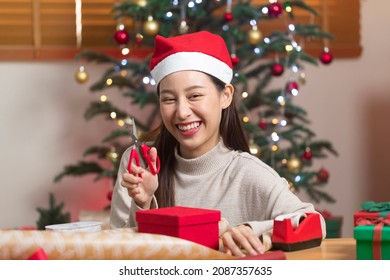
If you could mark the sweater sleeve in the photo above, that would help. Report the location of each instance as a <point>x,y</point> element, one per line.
<point>282,201</point>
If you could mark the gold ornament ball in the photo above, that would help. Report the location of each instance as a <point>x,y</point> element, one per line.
<point>294,164</point>
<point>254,36</point>
<point>81,75</point>
<point>151,27</point>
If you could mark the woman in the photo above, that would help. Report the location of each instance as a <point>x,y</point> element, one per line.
<point>204,156</point>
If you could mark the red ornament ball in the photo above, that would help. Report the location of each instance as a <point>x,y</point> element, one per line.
<point>139,38</point>
<point>122,37</point>
<point>277,69</point>
<point>228,16</point>
<point>275,9</point>
<point>326,57</point>
<point>235,59</point>
<point>293,85</point>
<point>323,175</point>
<point>262,124</point>
<point>307,155</point>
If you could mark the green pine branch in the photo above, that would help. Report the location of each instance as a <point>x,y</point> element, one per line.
<point>79,169</point>
<point>53,215</point>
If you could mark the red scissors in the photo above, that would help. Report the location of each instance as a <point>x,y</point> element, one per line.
<point>142,148</point>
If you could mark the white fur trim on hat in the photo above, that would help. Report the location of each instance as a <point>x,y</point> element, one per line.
<point>192,61</point>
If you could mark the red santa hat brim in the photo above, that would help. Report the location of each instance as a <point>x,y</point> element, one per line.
<point>201,51</point>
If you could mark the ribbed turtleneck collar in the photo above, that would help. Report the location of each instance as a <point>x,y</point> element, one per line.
<point>211,161</point>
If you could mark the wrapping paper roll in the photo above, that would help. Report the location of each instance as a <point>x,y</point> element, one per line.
<point>118,244</point>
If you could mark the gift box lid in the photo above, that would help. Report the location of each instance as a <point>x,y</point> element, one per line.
<point>178,216</point>
<point>366,232</point>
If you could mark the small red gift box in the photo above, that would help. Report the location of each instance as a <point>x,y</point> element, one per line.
<point>193,224</point>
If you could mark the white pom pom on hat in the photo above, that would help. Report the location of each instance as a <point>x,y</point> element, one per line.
<point>201,51</point>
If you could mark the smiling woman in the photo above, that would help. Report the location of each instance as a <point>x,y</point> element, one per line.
<point>49,30</point>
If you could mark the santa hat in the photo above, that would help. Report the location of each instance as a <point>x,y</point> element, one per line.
<point>201,51</point>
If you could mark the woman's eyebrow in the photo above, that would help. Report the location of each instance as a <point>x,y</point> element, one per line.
<point>186,89</point>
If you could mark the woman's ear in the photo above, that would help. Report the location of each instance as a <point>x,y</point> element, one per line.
<point>227,96</point>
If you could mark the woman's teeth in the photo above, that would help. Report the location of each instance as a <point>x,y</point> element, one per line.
<point>188,126</point>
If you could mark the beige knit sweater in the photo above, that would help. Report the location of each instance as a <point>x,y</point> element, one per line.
<point>240,185</point>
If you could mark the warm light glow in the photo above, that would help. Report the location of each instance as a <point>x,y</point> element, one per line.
<point>244,94</point>
<point>125,51</point>
<point>245,119</point>
<point>113,115</point>
<point>103,98</point>
<point>109,82</point>
<point>123,73</point>
<point>274,148</point>
<point>284,161</point>
<point>288,9</point>
<point>121,123</point>
<point>289,48</point>
<point>275,121</point>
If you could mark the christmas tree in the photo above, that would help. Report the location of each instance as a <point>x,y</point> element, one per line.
<point>53,215</point>
<point>267,41</point>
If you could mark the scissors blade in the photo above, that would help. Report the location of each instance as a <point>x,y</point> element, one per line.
<point>132,129</point>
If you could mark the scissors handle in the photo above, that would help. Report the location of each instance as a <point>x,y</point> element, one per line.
<point>133,157</point>
<point>145,153</point>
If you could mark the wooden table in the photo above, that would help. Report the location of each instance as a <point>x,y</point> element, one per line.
<point>330,249</point>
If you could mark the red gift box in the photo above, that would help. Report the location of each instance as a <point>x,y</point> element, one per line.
<point>372,210</point>
<point>193,224</point>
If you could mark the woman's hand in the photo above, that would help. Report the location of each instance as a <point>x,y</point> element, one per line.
<point>240,241</point>
<point>141,189</point>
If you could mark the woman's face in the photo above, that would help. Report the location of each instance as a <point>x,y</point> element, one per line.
<point>191,108</point>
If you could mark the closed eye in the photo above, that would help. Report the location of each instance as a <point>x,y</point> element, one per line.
<point>167,100</point>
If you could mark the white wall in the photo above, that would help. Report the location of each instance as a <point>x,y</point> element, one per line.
<point>42,127</point>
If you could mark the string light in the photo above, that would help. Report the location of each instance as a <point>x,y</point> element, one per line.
<point>244,94</point>
<point>121,123</point>
<point>125,51</point>
<point>245,119</point>
<point>113,115</point>
<point>103,98</point>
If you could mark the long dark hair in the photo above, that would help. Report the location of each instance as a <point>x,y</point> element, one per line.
<point>231,132</point>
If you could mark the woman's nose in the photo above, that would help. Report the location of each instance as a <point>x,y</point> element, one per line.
<point>183,109</point>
